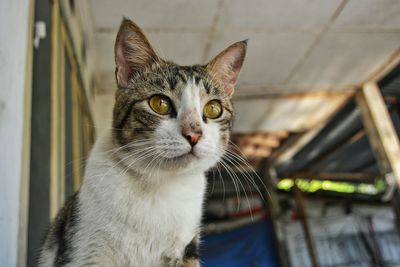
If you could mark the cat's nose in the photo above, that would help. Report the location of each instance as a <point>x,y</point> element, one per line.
<point>192,136</point>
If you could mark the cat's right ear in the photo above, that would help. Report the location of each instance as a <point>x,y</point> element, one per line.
<point>133,52</point>
<point>226,66</point>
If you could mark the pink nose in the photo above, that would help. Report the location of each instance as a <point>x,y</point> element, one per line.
<point>192,136</point>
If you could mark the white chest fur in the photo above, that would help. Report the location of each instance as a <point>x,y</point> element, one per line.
<point>135,225</point>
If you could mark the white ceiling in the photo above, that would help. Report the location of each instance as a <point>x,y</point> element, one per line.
<point>294,45</point>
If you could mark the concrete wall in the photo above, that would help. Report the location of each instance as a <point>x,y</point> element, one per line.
<point>14,18</point>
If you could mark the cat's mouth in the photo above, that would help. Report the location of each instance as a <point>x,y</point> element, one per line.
<point>191,154</point>
<point>186,158</point>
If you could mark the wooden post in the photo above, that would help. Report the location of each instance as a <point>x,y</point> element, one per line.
<point>274,210</point>
<point>380,130</point>
<point>306,229</point>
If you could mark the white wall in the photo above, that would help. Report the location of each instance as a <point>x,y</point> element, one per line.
<point>102,112</point>
<point>14,17</point>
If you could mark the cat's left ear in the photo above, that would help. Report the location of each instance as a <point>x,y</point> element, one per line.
<point>225,67</point>
<point>133,52</point>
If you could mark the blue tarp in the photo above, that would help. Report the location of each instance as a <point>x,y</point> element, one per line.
<point>252,245</point>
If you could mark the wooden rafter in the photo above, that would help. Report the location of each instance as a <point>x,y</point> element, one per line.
<point>380,130</point>
<point>293,145</point>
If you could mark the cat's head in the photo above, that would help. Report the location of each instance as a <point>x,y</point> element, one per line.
<point>171,117</point>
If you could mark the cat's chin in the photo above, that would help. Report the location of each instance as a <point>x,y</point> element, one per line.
<point>182,161</point>
<point>186,157</point>
<point>187,162</point>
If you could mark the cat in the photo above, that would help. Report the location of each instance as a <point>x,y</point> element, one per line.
<point>140,203</point>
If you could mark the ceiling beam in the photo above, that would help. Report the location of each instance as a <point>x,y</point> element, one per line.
<point>345,93</point>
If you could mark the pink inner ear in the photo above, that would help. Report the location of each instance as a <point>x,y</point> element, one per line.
<point>231,81</point>
<point>229,89</point>
<point>226,66</point>
<point>122,67</point>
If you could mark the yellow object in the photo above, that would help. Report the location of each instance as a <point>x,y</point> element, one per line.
<point>312,186</point>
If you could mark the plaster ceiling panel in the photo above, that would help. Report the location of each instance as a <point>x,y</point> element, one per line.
<point>243,108</point>
<point>369,14</point>
<point>288,114</point>
<point>270,56</point>
<point>346,58</point>
<point>184,48</point>
<point>277,14</point>
<point>298,115</point>
<point>155,14</point>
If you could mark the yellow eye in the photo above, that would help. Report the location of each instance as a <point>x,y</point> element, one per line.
<point>212,109</point>
<point>160,104</point>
